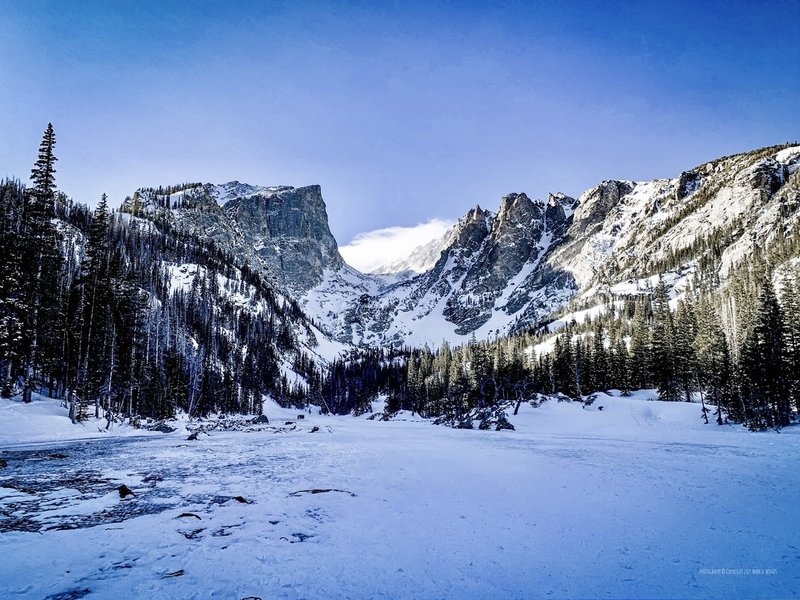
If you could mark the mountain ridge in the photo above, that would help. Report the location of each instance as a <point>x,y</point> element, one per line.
<point>496,272</point>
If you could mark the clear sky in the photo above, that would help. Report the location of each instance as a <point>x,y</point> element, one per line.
<point>402,111</point>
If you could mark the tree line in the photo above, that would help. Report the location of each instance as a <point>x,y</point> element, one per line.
<point>124,316</point>
<point>734,349</point>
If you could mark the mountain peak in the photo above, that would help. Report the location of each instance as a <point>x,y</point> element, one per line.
<point>560,198</point>
<point>492,272</point>
<point>288,228</point>
<point>517,210</point>
<point>225,192</point>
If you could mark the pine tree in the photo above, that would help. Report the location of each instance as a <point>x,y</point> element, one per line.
<point>662,344</point>
<point>683,349</point>
<point>458,385</point>
<point>414,379</point>
<point>639,353</point>
<point>712,356</point>
<point>762,366</point>
<point>96,341</point>
<point>481,377</point>
<point>599,361</point>
<point>41,258</point>
<point>790,304</point>
<point>13,308</point>
<point>43,172</point>
<point>564,368</point>
<point>619,368</point>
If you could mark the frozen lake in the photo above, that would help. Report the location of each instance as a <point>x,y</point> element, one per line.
<point>637,500</point>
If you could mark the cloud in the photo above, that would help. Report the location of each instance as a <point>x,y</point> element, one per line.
<point>369,250</point>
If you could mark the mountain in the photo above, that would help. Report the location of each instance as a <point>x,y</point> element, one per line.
<point>281,231</point>
<point>714,213</point>
<point>508,271</point>
<point>495,273</point>
<point>158,307</point>
<point>489,275</point>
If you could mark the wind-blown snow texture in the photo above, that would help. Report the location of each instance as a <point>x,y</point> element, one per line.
<point>637,500</point>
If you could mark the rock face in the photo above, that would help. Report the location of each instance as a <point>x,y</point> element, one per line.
<point>490,274</point>
<point>505,271</point>
<point>280,231</point>
<point>289,230</point>
<point>622,230</point>
<point>516,237</point>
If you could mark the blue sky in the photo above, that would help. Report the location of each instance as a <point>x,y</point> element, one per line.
<point>402,111</point>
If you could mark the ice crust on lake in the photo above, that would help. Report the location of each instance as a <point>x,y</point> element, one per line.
<point>639,499</point>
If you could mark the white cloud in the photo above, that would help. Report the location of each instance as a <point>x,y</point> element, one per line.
<point>372,249</point>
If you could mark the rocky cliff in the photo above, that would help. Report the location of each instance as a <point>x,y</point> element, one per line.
<point>280,231</point>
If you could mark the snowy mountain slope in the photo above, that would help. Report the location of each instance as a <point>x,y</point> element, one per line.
<point>624,228</point>
<point>490,275</point>
<point>486,264</point>
<point>234,280</point>
<point>279,231</point>
<point>233,293</point>
<point>522,264</point>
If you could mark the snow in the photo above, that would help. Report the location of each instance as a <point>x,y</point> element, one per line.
<point>327,349</point>
<point>789,156</point>
<point>339,290</point>
<point>640,499</point>
<point>678,283</point>
<point>425,327</point>
<point>225,192</point>
<point>45,421</point>
<point>180,277</point>
<point>635,232</point>
<point>580,316</point>
<point>541,349</point>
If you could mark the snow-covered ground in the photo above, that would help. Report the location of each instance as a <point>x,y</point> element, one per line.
<point>640,499</point>
<point>44,421</point>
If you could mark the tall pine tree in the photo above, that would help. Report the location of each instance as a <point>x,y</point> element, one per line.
<point>662,346</point>
<point>41,259</point>
<point>712,356</point>
<point>762,366</point>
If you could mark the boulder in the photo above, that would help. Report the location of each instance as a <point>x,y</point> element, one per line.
<point>125,491</point>
<point>503,423</point>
